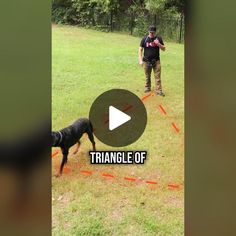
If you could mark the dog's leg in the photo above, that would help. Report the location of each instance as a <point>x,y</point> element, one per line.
<point>91,138</point>
<point>64,161</point>
<point>77,147</point>
<point>94,145</point>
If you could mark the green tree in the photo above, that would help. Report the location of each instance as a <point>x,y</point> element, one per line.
<point>177,5</point>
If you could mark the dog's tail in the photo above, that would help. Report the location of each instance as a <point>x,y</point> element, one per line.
<point>91,126</point>
<point>90,134</point>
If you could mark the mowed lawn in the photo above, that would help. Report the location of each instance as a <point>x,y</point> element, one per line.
<point>86,63</point>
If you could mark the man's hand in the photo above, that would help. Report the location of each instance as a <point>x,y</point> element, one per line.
<point>162,47</point>
<point>141,62</point>
<point>157,43</point>
<point>140,56</point>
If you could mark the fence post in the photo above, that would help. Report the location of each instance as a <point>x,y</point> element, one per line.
<point>93,19</point>
<point>155,19</point>
<point>131,23</point>
<point>181,28</point>
<point>111,21</point>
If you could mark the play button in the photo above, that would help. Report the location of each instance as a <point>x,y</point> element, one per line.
<point>118,117</point>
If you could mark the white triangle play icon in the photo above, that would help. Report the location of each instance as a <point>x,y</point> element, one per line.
<point>117,118</point>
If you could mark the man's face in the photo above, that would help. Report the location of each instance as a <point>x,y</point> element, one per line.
<point>152,34</point>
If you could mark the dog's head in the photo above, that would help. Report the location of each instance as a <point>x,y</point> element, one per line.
<point>55,139</point>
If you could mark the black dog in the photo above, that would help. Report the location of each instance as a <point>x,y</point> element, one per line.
<point>71,135</point>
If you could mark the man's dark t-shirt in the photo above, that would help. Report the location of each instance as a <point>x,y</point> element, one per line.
<point>151,50</point>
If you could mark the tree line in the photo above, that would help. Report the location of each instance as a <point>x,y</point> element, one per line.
<point>131,16</point>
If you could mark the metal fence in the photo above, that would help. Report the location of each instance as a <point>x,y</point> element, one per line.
<point>169,27</point>
<point>135,22</point>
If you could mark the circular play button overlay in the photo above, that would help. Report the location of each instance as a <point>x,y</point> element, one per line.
<point>118,117</point>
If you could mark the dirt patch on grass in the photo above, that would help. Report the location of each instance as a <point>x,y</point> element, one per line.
<point>175,202</point>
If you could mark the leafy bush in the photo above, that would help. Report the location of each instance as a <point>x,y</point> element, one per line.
<point>64,16</point>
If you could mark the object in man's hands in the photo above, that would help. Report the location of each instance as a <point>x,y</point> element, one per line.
<point>156,42</point>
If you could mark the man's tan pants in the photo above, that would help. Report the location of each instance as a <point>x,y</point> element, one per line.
<point>157,74</point>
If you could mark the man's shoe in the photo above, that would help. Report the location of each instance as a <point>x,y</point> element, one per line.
<point>147,90</point>
<point>161,94</point>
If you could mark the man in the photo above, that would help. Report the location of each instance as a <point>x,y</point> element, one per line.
<point>151,45</point>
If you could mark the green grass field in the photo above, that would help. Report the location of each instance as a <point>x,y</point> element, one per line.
<point>86,63</point>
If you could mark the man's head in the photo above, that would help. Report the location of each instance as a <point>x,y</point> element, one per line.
<point>152,31</point>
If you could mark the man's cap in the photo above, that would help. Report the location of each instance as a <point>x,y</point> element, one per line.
<point>152,28</point>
